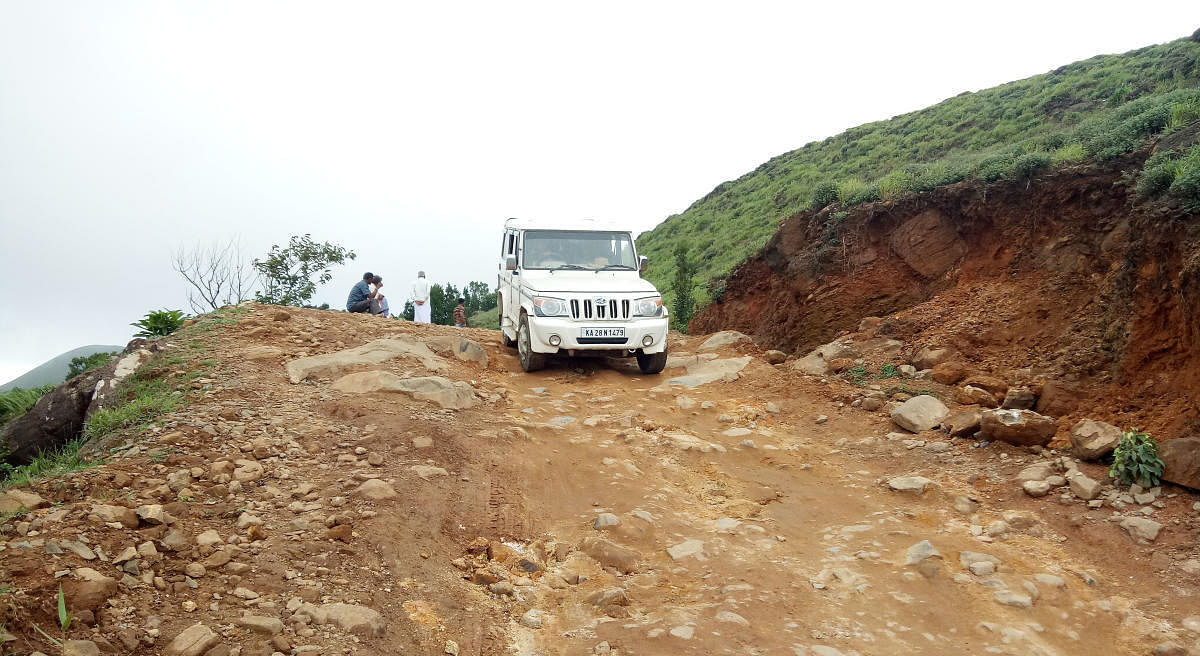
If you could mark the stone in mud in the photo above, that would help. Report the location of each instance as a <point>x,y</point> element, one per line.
<point>920,413</point>
<point>193,641</point>
<point>608,554</point>
<point>1092,440</point>
<point>380,350</point>
<point>455,395</point>
<point>909,484</point>
<point>1019,427</point>
<point>723,338</point>
<point>1181,460</point>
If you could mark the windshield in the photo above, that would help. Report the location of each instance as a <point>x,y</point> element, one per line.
<point>579,249</point>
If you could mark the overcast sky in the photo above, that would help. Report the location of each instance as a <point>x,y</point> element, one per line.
<point>408,131</point>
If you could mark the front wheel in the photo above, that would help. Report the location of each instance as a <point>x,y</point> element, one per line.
<point>530,361</point>
<point>652,363</point>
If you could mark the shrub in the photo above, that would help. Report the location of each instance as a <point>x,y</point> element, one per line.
<point>1030,163</point>
<point>823,195</point>
<point>1135,460</point>
<point>994,168</point>
<point>1156,176</point>
<point>1183,113</point>
<point>87,363</point>
<point>1072,152</point>
<point>894,184</point>
<point>1186,187</point>
<point>867,193</point>
<point>158,323</point>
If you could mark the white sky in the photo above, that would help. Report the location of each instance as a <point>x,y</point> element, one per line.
<point>409,131</point>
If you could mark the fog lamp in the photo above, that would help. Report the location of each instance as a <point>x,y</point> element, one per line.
<point>647,340</point>
<point>555,340</point>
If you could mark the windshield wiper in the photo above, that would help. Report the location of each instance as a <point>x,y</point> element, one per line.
<point>623,267</point>
<point>568,266</point>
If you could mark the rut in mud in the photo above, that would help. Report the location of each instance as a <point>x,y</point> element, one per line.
<point>414,492</point>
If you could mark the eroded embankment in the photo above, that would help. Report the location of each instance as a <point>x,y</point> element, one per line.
<point>1061,276</point>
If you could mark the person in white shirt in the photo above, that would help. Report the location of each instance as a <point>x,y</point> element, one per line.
<point>422,310</point>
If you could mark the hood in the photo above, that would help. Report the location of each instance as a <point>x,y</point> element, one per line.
<point>587,282</point>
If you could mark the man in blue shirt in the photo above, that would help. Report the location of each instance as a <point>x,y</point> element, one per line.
<point>360,295</point>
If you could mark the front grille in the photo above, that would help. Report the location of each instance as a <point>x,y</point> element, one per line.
<point>602,340</point>
<point>614,309</point>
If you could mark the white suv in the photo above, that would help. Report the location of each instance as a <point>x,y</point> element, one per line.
<point>576,288</point>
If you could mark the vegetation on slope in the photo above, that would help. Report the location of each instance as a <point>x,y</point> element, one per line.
<point>1095,109</point>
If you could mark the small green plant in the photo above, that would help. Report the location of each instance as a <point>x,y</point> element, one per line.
<point>159,323</point>
<point>1136,460</point>
<point>889,371</point>
<point>823,195</point>
<point>857,374</point>
<point>63,460</point>
<point>64,621</point>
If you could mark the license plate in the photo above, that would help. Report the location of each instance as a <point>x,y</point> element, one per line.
<point>604,332</point>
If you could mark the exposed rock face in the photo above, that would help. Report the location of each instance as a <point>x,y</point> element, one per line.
<point>1020,427</point>
<point>963,423</point>
<point>929,243</point>
<point>380,350</point>
<point>709,371</point>
<point>1057,399</point>
<point>462,348</point>
<point>444,392</point>
<point>1181,460</point>
<point>928,358</point>
<point>1091,440</point>
<point>723,338</point>
<point>611,555</point>
<point>193,641</point>
<point>920,413</point>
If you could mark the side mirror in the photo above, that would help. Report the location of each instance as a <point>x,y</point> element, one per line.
<point>643,262</point>
<point>510,262</point>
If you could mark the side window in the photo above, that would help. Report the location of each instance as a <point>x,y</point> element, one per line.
<point>506,243</point>
<point>517,244</point>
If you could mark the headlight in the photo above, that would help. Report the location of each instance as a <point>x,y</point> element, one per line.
<point>548,306</point>
<point>651,306</point>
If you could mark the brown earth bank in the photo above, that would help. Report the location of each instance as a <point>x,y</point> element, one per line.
<point>343,484</point>
<point>1059,278</point>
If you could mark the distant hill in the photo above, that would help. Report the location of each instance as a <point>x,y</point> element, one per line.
<point>1091,110</point>
<point>54,370</point>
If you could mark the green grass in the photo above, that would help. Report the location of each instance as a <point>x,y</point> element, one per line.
<point>1092,110</point>
<point>48,464</point>
<point>487,318</point>
<point>16,401</point>
<point>148,398</point>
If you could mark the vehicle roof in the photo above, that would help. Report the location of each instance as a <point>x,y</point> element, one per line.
<point>565,224</point>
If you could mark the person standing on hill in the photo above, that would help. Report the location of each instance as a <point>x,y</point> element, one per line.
<point>361,294</point>
<point>460,314</point>
<point>422,310</point>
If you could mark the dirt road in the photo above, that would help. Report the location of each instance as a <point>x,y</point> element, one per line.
<point>585,509</point>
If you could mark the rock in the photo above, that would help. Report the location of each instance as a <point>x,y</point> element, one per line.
<point>739,432</point>
<point>195,570</point>
<point>532,618</point>
<point>193,641</point>
<point>1036,488</point>
<point>1038,471</point>
<point>605,520</point>
<point>268,626</point>
<point>812,364</point>
<point>263,352</point>
<point>247,471</point>
<point>921,551</point>
<point>1019,398</point>
<point>91,592</point>
<point>708,371</point>
<point>209,538</point>
<point>1181,460</point>
<point>463,349</point>
<point>685,402</point>
<point>1170,649</point>
<point>948,373</point>
<point>152,515</point>
<point>971,395</point>
<point>375,490</point>
<point>1014,599</point>
<point>683,632</point>
<point>1084,487</point>
<point>693,548</point>
<point>80,648</point>
<point>14,501</point>
<point>78,548</point>
<point>357,620</point>
<point>928,358</point>
<point>1057,399</point>
<point>962,423</point>
<point>1141,529</point>
<point>920,413</point>
<point>909,484</point>
<point>127,517</point>
<point>1092,440</point>
<point>775,357</point>
<point>997,387</point>
<point>730,617</point>
<point>1020,427</point>
<point>371,353</point>
<point>929,243</point>
<point>428,471</point>
<point>723,338</point>
<point>610,555</point>
<point>1018,519</point>
<point>455,395</point>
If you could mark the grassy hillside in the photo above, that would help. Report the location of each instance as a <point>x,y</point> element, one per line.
<point>1094,109</point>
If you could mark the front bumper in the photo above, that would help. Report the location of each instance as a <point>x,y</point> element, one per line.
<point>569,333</point>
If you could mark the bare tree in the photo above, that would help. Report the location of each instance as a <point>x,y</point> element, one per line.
<point>218,274</point>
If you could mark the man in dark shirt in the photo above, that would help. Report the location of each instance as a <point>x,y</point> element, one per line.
<point>360,295</point>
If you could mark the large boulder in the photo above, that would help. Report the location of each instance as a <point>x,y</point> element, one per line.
<point>703,372</point>
<point>1020,427</point>
<point>812,364</point>
<point>929,357</point>
<point>920,413</point>
<point>59,416</point>
<point>929,243</point>
<point>723,338</point>
<point>461,347</point>
<point>1057,398</point>
<point>448,394</point>
<point>371,353</point>
<point>1092,440</point>
<point>1181,460</point>
<point>962,423</point>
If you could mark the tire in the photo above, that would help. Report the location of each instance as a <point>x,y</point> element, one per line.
<point>653,363</point>
<point>530,361</point>
<point>510,343</point>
